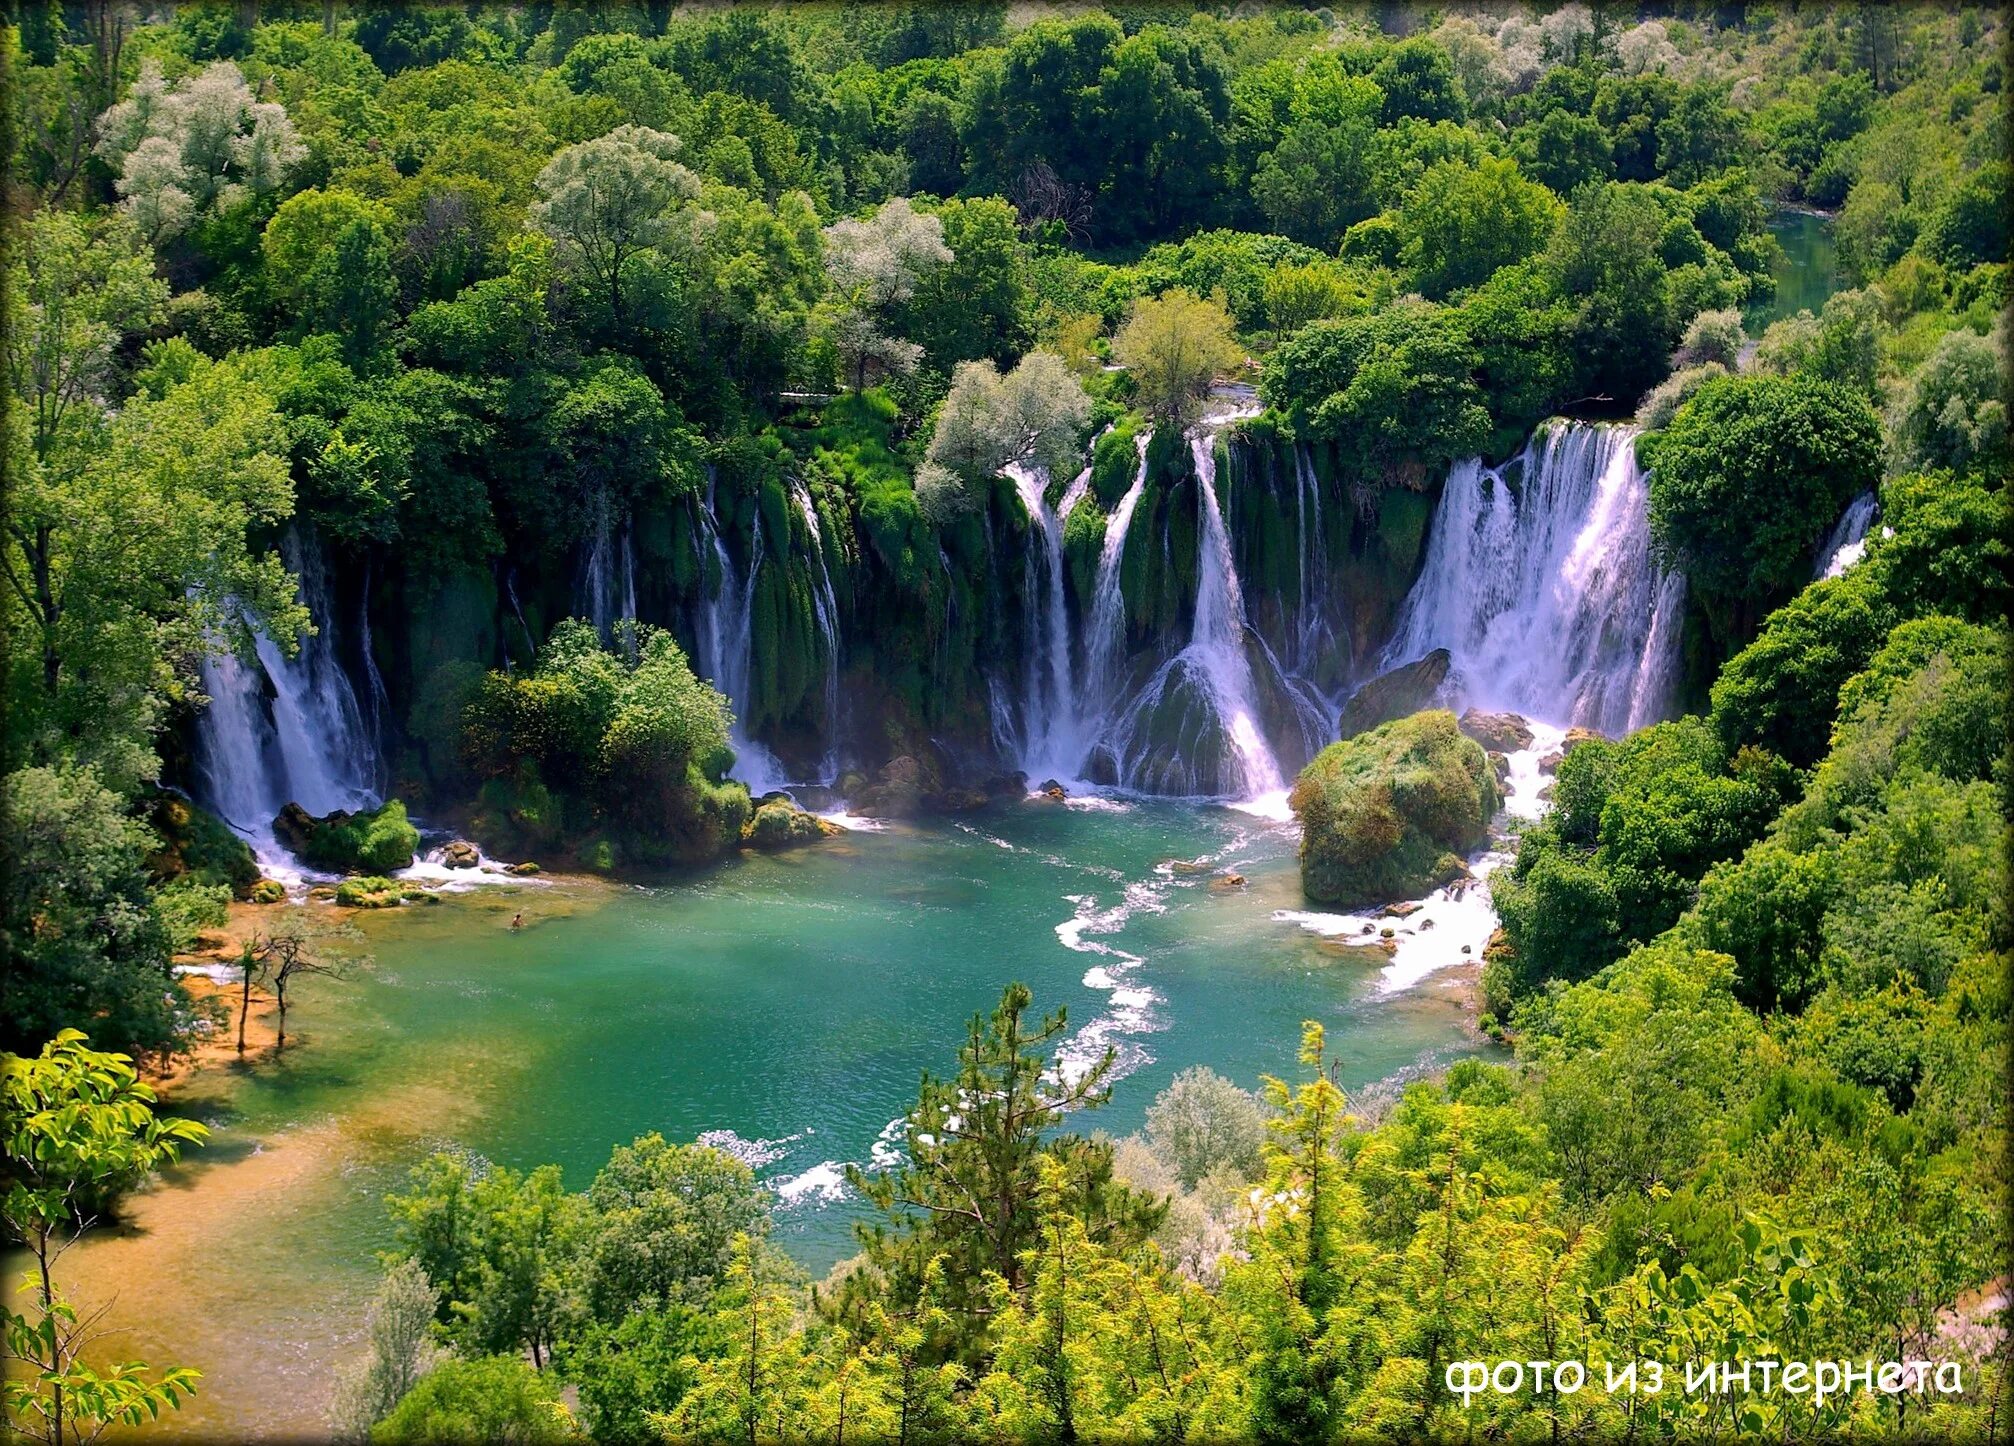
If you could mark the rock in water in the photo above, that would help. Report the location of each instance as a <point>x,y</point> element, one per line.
<point>899,792</point>
<point>461,854</point>
<point>781,824</point>
<point>1387,815</point>
<point>1394,694</point>
<point>1498,732</point>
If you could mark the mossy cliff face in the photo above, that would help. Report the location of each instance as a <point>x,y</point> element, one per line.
<point>1388,814</point>
<point>1320,561</point>
<point>931,614</point>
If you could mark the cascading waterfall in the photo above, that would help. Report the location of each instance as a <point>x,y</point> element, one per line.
<point>607,589</point>
<point>1046,735</point>
<point>825,611</point>
<point>1197,727</point>
<point>1105,633</point>
<point>282,729</point>
<point>1846,542</point>
<point>726,646</point>
<point>1546,593</point>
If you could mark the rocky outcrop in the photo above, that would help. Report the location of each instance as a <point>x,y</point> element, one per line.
<point>1402,691</point>
<point>1387,815</point>
<point>1498,732</point>
<point>461,854</point>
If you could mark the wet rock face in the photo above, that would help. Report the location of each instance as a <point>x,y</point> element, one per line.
<point>1498,732</point>
<point>461,854</point>
<point>899,790</point>
<point>1399,693</point>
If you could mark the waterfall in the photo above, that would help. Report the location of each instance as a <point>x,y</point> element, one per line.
<point>1050,715</point>
<point>1197,727</point>
<point>825,611</point>
<point>1848,539</point>
<point>282,729</point>
<point>1106,631</point>
<point>607,588</point>
<point>726,646</point>
<point>1546,592</point>
<point>380,699</point>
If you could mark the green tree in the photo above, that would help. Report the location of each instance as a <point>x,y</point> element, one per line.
<point>1202,1123</point>
<point>1745,478</point>
<point>1174,346</point>
<point>80,1130</point>
<point>1462,222</point>
<point>399,1326</point>
<point>610,200</point>
<point>83,942</point>
<point>1316,181</point>
<point>967,1186</point>
<point>492,1399</point>
<point>662,1224</point>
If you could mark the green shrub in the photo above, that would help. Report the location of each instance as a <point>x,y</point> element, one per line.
<point>188,907</point>
<point>1381,812</point>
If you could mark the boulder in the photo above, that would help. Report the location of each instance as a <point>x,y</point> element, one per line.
<point>374,842</point>
<point>1501,765</point>
<point>898,791</point>
<point>1575,736</point>
<point>294,826</point>
<point>1498,732</point>
<point>1229,881</point>
<point>1403,910</point>
<point>1386,816</point>
<point>1007,785</point>
<point>269,891</point>
<point>1185,866</point>
<point>461,854</point>
<point>1395,694</point>
<point>781,824</point>
<point>959,800</point>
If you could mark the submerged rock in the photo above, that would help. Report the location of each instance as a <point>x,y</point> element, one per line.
<point>1186,866</point>
<point>1229,881</point>
<point>1385,816</point>
<point>1498,732</point>
<point>959,800</point>
<point>1394,694</point>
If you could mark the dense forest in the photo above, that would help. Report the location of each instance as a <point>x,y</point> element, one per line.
<point>592,416</point>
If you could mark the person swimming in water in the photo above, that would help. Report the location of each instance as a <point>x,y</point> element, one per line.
<point>516,922</point>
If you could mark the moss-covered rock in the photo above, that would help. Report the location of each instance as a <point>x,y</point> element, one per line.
<point>369,892</point>
<point>197,845</point>
<point>269,891</point>
<point>781,824</point>
<point>376,841</point>
<point>1386,814</point>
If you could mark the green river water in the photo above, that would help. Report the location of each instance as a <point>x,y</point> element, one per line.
<point>792,1000</point>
